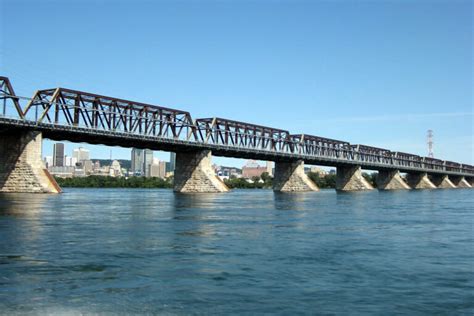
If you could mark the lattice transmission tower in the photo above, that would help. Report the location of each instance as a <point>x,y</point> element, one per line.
<point>430,143</point>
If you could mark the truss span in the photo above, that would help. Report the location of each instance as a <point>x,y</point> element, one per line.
<point>65,114</point>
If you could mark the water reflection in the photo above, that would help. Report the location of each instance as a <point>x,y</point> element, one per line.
<point>293,201</point>
<point>184,201</point>
<point>194,218</point>
<point>355,200</point>
<point>22,204</point>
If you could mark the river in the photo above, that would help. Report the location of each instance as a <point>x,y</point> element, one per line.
<point>138,251</point>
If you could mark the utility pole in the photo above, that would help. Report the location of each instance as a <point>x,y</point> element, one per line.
<point>430,143</point>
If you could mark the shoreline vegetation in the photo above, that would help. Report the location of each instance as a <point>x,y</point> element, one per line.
<point>263,182</point>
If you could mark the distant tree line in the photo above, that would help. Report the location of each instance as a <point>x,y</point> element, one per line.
<point>114,182</point>
<point>371,178</point>
<point>323,182</point>
<point>265,181</point>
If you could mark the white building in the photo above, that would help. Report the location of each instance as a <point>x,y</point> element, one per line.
<point>48,161</point>
<point>80,154</point>
<point>70,161</point>
<point>157,169</point>
<point>269,166</point>
<point>115,169</point>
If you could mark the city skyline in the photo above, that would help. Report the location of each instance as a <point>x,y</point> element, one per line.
<point>161,156</point>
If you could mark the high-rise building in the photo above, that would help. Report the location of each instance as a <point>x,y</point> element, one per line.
<point>58,155</point>
<point>88,166</point>
<point>270,168</point>
<point>148,161</point>
<point>141,161</point>
<point>172,161</point>
<point>80,154</point>
<point>158,169</point>
<point>137,161</point>
<point>162,169</point>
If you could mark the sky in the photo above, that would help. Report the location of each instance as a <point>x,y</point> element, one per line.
<point>379,73</point>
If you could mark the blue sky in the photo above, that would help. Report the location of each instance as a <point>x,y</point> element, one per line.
<point>379,73</point>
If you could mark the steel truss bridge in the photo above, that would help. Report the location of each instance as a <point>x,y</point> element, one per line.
<point>65,114</point>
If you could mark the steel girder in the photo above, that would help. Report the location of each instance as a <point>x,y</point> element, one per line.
<point>72,109</point>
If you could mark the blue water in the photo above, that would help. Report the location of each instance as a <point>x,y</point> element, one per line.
<point>124,251</point>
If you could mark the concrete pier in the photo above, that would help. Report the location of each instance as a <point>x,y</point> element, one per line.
<point>460,182</point>
<point>290,177</point>
<point>194,173</point>
<point>419,181</point>
<point>349,178</point>
<point>391,180</point>
<point>442,182</point>
<point>470,180</point>
<point>21,167</point>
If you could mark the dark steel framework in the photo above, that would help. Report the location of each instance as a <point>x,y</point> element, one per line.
<point>9,101</point>
<point>320,146</point>
<point>76,108</point>
<point>79,114</point>
<point>221,131</point>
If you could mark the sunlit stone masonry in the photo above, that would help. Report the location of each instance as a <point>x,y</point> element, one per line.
<point>442,182</point>
<point>391,180</point>
<point>460,182</point>
<point>21,168</point>
<point>349,178</point>
<point>290,177</point>
<point>420,181</point>
<point>194,173</point>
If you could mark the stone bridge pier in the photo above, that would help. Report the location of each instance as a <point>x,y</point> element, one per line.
<point>21,167</point>
<point>349,178</point>
<point>419,180</point>
<point>391,180</point>
<point>194,173</point>
<point>470,180</point>
<point>442,182</point>
<point>290,177</point>
<point>460,182</point>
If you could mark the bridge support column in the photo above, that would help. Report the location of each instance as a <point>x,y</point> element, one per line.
<point>442,182</point>
<point>21,167</point>
<point>351,179</point>
<point>391,180</point>
<point>470,180</point>
<point>460,182</point>
<point>419,181</point>
<point>194,173</point>
<point>290,177</point>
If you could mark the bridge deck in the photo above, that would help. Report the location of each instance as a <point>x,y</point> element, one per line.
<point>123,139</point>
<point>71,115</point>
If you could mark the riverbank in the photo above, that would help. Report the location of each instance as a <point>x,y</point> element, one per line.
<point>114,182</point>
<point>264,182</point>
